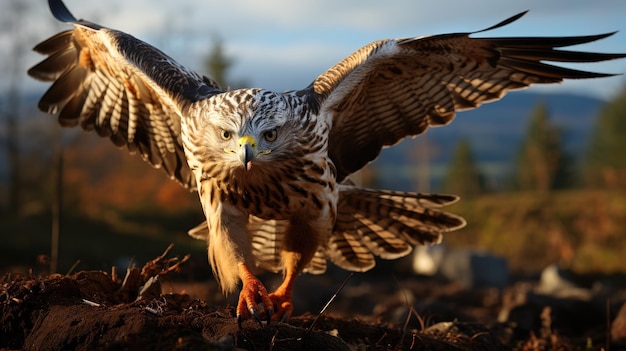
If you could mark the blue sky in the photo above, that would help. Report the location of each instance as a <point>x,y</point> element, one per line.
<point>284,45</point>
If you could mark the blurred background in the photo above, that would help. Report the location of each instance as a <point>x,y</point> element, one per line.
<point>542,173</point>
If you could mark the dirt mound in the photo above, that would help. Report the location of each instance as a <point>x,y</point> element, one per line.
<point>90,310</point>
<point>96,310</point>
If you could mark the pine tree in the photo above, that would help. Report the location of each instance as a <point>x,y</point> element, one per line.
<point>464,178</point>
<point>543,165</point>
<point>606,163</point>
<point>218,64</point>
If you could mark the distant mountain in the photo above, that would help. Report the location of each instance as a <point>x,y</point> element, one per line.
<point>495,132</point>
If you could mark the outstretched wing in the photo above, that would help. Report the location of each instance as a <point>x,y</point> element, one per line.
<point>122,88</point>
<point>392,89</point>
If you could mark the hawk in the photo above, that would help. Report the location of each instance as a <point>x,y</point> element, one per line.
<point>272,168</point>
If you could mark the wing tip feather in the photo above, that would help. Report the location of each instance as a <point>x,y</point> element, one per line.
<point>504,23</point>
<point>61,12</point>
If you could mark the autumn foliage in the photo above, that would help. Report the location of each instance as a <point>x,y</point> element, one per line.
<point>97,175</point>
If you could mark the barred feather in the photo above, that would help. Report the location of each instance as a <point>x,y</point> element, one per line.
<point>386,224</point>
<point>110,82</point>
<point>266,237</point>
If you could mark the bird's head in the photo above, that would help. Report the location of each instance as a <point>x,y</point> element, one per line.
<point>250,146</point>
<point>251,128</point>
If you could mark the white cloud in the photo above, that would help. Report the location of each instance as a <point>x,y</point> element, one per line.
<point>286,43</point>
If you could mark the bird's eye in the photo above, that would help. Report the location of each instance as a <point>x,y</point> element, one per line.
<point>270,135</point>
<point>225,135</point>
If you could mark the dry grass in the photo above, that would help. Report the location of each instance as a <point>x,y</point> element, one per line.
<point>582,229</point>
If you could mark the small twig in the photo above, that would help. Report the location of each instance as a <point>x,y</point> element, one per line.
<point>169,248</point>
<point>328,303</point>
<point>406,322</point>
<point>423,321</point>
<point>176,265</point>
<point>479,334</point>
<point>413,341</point>
<point>408,317</point>
<point>406,303</point>
<point>72,268</point>
<point>152,310</point>
<point>91,303</point>
<point>161,265</point>
<point>608,324</point>
<point>380,340</point>
<point>273,342</point>
<point>114,274</point>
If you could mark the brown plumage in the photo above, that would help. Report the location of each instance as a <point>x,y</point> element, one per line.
<point>272,169</point>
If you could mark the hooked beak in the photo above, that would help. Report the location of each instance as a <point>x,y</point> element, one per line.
<point>247,151</point>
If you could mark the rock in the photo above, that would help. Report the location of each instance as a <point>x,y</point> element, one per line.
<point>556,282</point>
<point>427,259</point>
<point>553,278</point>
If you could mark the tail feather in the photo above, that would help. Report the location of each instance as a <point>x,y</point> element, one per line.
<point>371,233</point>
<point>317,264</point>
<point>267,237</point>
<point>347,250</point>
<point>386,224</point>
<point>383,240</point>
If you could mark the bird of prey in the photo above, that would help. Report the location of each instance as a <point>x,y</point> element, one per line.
<point>272,168</point>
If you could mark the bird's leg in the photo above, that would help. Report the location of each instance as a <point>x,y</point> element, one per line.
<point>299,247</point>
<point>281,297</point>
<point>252,293</point>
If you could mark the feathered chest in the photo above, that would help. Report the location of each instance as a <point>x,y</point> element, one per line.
<point>279,190</point>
